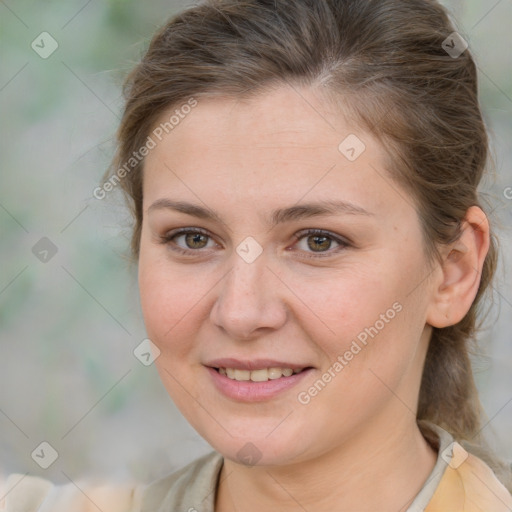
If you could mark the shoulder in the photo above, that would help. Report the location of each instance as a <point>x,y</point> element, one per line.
<point>192,487</point>
<point>469,484</point>
<point>25,493</point>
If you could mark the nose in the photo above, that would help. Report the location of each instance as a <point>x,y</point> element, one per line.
<point>250,301</point>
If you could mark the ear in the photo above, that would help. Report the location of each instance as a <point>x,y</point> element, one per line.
<point>459,280</point>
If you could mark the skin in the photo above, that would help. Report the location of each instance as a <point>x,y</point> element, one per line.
<point>356,444</point>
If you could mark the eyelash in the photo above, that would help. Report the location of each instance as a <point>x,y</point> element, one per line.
<point>343,243</point>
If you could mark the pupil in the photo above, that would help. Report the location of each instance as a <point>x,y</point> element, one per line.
<point>196,238</point>
<point>316,239</point>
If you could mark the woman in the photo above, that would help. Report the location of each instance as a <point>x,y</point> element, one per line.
<point>312,253</point>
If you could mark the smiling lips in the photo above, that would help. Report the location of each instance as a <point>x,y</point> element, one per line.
<point>255,385</point>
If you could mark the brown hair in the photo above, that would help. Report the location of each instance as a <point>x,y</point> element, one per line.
<point>385,61</point>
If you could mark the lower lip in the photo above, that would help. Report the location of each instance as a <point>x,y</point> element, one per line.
<point>249,391</point>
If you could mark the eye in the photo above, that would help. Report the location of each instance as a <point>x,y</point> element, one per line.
<point>317,241</point>
<point>193,239</point>
<point>320,241</point>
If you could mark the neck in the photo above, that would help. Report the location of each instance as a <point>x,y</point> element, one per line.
<point>370,471</point>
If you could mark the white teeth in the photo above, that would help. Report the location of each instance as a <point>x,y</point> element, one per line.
<point>261,375</point>
<point>274,373</point>
<point>242,375</point>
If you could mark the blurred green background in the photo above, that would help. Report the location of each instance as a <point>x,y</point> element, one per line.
<point>69,325</point>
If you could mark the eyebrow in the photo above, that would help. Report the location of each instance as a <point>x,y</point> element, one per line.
<point>278,216</point>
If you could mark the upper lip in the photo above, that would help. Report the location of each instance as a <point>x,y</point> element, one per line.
<point>253,364</point>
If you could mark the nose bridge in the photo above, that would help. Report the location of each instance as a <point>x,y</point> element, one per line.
<point>247,299</point>
<point>248,271</point>
<point>246,282</point>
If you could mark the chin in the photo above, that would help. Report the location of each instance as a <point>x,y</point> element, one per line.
<point>255,444</point>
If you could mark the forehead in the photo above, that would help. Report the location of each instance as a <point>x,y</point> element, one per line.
<point>276,148</point>
<point>273,119</point>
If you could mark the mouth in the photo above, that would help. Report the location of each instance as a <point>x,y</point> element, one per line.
<point>255,380</point>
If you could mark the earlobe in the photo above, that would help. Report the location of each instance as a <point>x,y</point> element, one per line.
<point>461,271</point>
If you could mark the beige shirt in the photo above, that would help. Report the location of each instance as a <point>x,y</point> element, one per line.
<point>459,482</point>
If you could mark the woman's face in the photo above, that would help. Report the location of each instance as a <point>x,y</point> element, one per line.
<point>250,289</point>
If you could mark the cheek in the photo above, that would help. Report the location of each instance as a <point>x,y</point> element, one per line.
<point>170,305</point>
<point>344,305</point>
<point>170,308</point>
<point>377,321</point>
